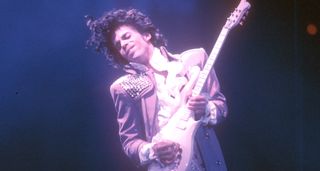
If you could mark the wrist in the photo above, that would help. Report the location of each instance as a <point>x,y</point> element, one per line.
<point>146,153</point>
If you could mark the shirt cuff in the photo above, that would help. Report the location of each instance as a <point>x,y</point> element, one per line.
<point>211,114</point>
<point>146,154</point>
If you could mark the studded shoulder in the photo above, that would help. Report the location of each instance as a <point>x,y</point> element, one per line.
<point>136,84</point>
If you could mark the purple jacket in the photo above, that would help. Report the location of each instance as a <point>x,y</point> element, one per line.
<point>135,100</point>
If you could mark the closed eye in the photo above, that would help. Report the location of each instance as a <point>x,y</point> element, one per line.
<point>126,36</point>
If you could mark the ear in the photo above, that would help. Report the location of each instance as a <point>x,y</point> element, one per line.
<point>147,36</point>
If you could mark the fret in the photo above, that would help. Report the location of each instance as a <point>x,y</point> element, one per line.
<point>206,70</point>
<point>202,76</point>
<point>210,61</point>
<point>200,82</point>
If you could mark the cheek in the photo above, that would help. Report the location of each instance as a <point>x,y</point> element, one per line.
<point>122,52</point>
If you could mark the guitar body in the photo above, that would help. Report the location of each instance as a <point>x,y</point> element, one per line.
<point>180,129</point>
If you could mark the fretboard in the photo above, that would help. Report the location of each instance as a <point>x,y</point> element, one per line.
<point>210,61</point>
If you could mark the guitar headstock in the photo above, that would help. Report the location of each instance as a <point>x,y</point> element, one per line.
<point>238,15</point>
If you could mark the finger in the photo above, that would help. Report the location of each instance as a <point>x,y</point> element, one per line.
<point>196,108</point>
<point>198,98</point>
<point>194,102</point>
<point>161,146</point>
<point>169,156</point>
<point>167,150</point>
<point>167,162</point>
<point>197,104</point>
<point>168,159</point>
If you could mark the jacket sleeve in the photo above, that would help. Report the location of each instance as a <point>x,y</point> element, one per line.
<point>130,122</point>
<point>217,107</point>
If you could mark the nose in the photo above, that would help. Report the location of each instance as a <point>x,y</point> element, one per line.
<point>124,44</point>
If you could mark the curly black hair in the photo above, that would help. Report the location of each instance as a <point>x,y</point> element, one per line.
<point>103,28</point>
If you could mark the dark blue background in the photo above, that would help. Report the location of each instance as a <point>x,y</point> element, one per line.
<point>55,108</point>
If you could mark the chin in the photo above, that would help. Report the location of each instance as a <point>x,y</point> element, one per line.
<point>136,57</point>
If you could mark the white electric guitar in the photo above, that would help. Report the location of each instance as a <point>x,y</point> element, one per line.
<point>182,126</point>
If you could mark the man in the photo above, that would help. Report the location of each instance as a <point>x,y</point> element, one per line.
<point>150,93</point>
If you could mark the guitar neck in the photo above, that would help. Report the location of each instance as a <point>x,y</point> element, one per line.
<point>210,61</point>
